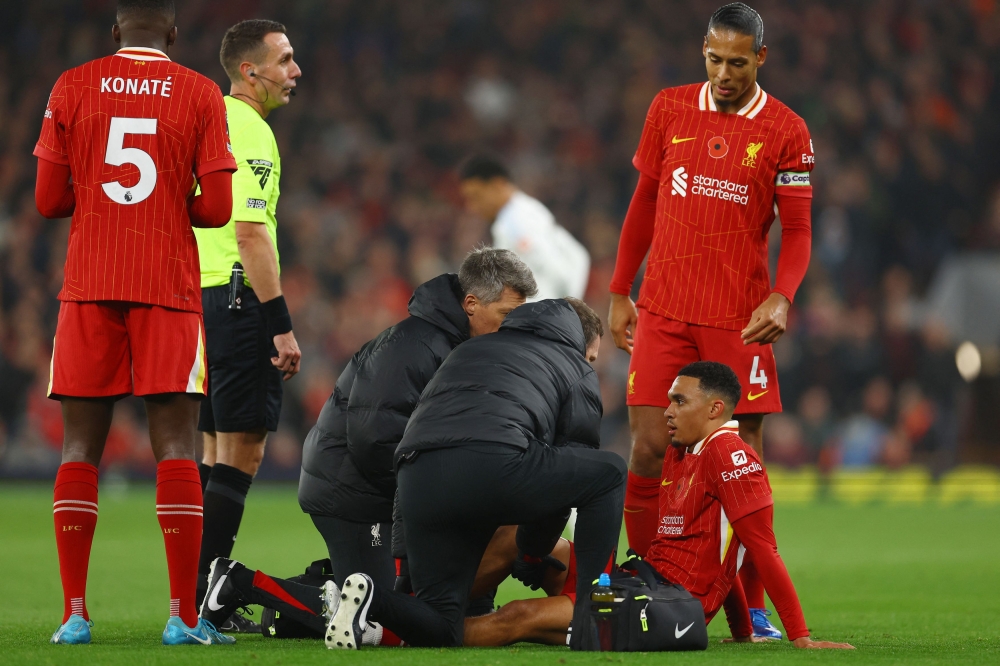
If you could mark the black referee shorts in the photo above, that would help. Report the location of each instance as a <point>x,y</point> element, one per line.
<point>244,389</point>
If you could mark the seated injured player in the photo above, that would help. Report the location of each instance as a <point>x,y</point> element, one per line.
<point>716,507</point>
<point>541,620</point>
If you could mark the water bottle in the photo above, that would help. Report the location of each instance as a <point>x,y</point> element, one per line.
<point>605,596</point>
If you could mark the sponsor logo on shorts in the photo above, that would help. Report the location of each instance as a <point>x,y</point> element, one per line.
<point>631,383</point>
<point>742,471</point>
<point>257,204</point>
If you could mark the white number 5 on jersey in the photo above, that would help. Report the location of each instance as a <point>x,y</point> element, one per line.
<point>117,155</point>
<point>757,375</point>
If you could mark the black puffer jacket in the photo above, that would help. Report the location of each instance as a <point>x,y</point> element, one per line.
<point>529,383</point>
<point>347,458</point>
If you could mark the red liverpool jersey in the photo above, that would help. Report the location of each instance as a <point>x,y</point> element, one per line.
<point>701,494</point>
<point>135,130</point>
<point>718,175</point>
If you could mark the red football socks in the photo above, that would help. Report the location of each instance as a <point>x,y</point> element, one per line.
<point>642,511</point>
<point>75,512</point>
<point>179,510</point>
<point>753,587</point>
<point>390,639</point>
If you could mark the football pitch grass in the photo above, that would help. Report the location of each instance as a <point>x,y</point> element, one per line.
<point>904,584</point>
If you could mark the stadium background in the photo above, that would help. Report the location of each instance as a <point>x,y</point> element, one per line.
<point>900,97</point>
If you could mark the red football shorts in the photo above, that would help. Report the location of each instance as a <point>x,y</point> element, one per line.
<point>111,348</point>
<point>661,347</point>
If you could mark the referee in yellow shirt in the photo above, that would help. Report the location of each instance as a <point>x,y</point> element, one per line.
<point>250,343</point>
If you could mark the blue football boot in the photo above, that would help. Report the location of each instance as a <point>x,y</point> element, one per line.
<point>74,631</point>
<point>204,633</point>
<point>762,627</point>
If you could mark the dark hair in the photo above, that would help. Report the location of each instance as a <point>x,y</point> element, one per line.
<point>245,41</point>
<point>129,8</point>
<point>484,167</point>
<point>487,270</point>
<point>715,379</point>
<point>740,18</point>
<point>592,326</point>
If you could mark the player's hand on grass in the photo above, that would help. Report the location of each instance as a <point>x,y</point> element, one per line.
<point>767,322</point>
<point>622,319</point>
<point>807,643</point>
<point>289,357</point>
<point>531,570</point>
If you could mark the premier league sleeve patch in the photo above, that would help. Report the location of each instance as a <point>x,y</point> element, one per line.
<point>792,179</point>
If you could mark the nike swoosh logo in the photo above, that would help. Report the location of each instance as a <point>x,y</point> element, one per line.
<point>676,140</point>
<point>208,641</point>
<point>751,396</point>
<point>213,601</point>
<point>666,483</point>
<point>678,632</point>
<point>633,510</point>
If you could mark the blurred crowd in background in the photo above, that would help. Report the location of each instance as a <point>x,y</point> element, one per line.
<point>897,94</point>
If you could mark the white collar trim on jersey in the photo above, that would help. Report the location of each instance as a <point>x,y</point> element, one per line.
<point>728,426</point>
<point>141,53</point>
<point>706,102</point>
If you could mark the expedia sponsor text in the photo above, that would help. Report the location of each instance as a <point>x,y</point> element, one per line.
<point>742,471</point>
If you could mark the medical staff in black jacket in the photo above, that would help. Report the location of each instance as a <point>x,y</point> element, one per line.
<point>506,433</point>
<point>347,481</point>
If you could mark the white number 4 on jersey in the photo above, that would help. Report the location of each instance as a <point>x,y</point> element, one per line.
<point>757,375</point>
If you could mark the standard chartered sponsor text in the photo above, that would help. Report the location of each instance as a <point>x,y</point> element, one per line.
<point>725,190</point>
<point>671,525</point>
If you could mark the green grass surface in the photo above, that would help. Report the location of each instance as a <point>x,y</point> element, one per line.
<point>904,584</point>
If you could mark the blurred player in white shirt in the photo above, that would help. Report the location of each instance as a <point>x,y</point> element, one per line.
<point>522,224</point>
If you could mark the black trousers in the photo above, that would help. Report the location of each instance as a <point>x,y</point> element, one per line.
<point>452,502</point>
<point>358,547</point>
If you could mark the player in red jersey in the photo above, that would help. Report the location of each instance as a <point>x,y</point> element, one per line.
<point>124,140</point>
<point>715,160</point>
<point>716,506</point>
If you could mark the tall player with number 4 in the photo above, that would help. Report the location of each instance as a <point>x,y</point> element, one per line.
<point>716,160</point>
<point>124,141</point>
